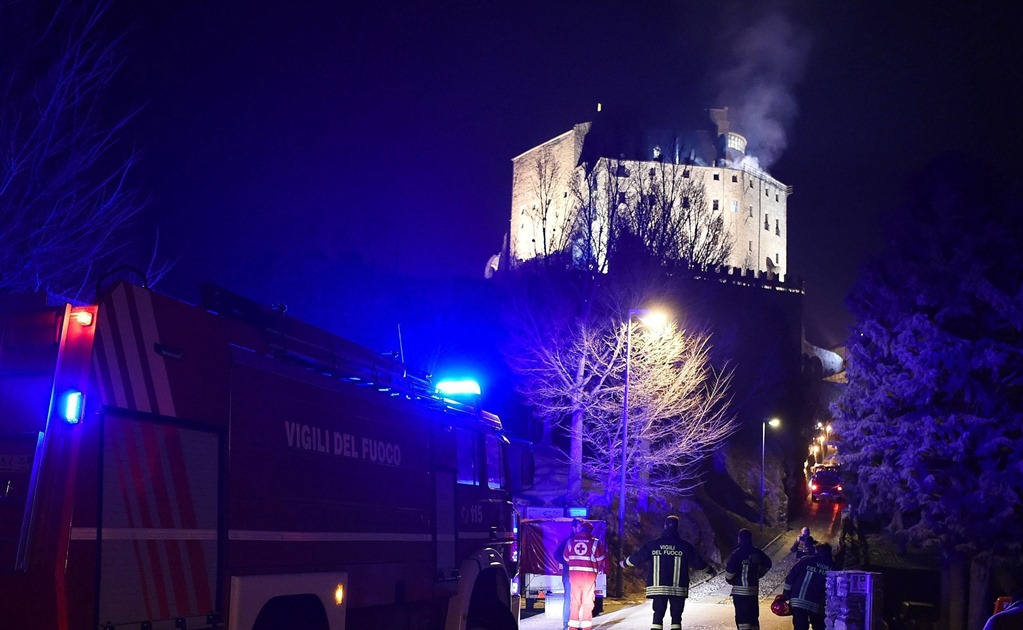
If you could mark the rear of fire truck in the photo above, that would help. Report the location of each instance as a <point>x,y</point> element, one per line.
<point>169,466</point>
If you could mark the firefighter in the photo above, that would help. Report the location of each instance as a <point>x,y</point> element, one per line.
<point>743,570</point>
<point>804,544</point>
<point>583,553</point>
<point>805,588</point>
<point>669,559</point>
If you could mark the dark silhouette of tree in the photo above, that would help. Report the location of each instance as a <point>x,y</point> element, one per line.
<point>65,195</point>
<point>932,420</point>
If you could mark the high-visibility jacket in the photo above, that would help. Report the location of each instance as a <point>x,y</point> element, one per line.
<point>668,559</point>
<point>744,568</point>
<point>583,552</point>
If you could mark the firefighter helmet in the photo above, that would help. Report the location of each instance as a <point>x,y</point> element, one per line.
<point>780,607</point>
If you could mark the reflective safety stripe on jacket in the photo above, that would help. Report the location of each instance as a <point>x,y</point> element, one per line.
<point>583,552</point>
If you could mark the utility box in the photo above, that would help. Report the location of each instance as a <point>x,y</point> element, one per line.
<point>854,601</point>
<point>540,568</point>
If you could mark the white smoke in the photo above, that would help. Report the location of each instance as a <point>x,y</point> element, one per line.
<point>766,62</point>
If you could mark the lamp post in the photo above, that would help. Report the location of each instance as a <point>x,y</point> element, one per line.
<point>774,422</point>
<point>625,427</point>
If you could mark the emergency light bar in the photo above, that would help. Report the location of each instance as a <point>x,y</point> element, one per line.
<point>458,388</point>
<point>71,406</point>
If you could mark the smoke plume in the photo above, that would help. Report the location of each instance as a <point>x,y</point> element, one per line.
<point>765,63</point>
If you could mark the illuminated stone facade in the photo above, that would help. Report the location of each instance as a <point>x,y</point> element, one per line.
<point>553,183</point>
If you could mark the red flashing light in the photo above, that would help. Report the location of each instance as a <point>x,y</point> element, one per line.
<point>84,318</point>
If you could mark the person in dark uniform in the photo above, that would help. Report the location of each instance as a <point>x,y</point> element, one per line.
<point>668,561</point>
<point>804,545</point>
<point>743,570</point>
<point>805,587</point>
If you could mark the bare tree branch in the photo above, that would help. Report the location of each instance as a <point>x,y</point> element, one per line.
<point>65,195</point>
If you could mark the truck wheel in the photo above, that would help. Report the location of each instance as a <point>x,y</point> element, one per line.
<point>292,611</point>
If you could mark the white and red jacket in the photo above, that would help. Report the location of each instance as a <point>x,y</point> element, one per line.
<point>583,552</point>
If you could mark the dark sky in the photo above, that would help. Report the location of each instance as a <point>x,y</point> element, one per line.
<point>282,141</point>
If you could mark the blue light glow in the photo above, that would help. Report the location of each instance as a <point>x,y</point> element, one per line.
<point>578,512</point>
<point>458,388</point>
<point>71,406</point>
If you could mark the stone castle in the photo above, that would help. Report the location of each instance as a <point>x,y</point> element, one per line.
<point>673,193</point>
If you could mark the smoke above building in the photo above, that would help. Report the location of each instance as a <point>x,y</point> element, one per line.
<point>763,64</point>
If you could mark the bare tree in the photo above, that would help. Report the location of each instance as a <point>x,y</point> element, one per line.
<point>658,204</point>
<point>556,349</point>
<point>603,195</point>
<point>553,218</point>
<point>702,237</point>
<point>569,346</point>
<point>678,412</point>
<point>65,196</point>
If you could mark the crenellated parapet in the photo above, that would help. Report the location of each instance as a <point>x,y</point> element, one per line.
<point>738,276</point>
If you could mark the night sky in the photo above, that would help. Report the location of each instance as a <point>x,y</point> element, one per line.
<point>282,141</point>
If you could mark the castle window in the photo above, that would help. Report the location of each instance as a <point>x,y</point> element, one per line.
<point>735,178</point>
<point>715,205</point>
<point>685,174</point>
<point>621,197</point>
<point>751,183</point>
<point>777,227</point>
<point>776,197</point>
<point>767,192</point>
<point>565,196</point>
<point>751,210</point>
<point>767,222</point>
<point>685,202</point>
<point>717,176</point>
<point>735,206</point>
<point>751,245</point>
<point>651,172</point>
<point>777,259</point>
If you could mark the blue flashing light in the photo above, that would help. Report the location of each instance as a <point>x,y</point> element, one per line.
<point>458,388</point>
<point>71,405</point>
<point>578,512</point>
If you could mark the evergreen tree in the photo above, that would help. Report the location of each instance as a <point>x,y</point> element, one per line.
<point>932,420</point>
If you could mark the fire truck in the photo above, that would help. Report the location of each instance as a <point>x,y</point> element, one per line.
<point>172,466</point>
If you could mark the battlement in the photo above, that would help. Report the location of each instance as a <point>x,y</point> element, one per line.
<point>739,277</point>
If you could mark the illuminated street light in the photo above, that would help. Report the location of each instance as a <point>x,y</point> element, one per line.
<point>774,422</point>
<point>652,319</point>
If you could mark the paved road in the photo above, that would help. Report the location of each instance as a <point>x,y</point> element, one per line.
<point>709,606</point>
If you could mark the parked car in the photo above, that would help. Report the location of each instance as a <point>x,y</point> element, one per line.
<point>826,482</point>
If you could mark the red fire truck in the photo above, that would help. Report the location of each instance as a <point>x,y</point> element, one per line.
<point>164,465</point>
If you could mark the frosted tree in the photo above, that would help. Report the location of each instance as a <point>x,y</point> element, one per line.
<point>932,419</point>
<point>65,196</point>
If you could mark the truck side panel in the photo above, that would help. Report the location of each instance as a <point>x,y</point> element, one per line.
<point>326,474</point>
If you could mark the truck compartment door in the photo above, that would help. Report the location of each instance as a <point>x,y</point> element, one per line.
<point>159,523</point>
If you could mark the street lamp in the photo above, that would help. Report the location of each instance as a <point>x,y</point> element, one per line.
<point>650,318</point>
<point>774,422</point>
